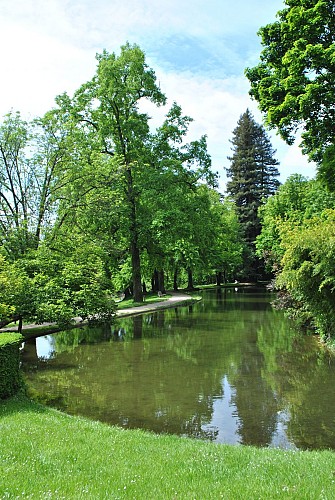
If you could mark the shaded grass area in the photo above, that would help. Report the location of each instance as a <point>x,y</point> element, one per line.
<point>47,454</point>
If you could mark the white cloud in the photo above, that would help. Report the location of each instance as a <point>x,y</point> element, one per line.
<point>38,68</point>
<point>216,105</point>
<point>51,47</point>
<point>293,161</point>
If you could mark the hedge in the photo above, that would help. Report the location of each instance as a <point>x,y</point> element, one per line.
<point>10,376</point>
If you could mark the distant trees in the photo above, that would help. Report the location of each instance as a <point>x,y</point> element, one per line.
<point>253,176</point>
<point>36,167</point>
<point>18,188</point>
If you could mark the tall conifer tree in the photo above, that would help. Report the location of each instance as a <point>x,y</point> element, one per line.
<point>253,176</point>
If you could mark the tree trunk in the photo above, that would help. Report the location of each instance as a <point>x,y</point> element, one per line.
<point>134,248</point>
<point>161,284</point>
<point>136,272</point>
<point>19,328</point>
<point>175,280</point>
<point>155,281</point>
<point>190,279</point>
<point>218,278</point>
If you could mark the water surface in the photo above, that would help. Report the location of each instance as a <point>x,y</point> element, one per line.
<point>228,369</point>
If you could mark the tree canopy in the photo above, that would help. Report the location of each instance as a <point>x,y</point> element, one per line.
<point>94,201</point>
<point>296,241</point>
<point>294,81</point>
<point>139,164</point>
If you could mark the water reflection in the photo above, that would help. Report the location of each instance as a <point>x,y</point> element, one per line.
<point>228,370</point>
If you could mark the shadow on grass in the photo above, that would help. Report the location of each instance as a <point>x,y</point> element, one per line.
<point>19,403</point>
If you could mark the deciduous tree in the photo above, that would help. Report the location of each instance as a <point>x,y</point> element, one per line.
<point>294,81</point>
<point>108,106</point>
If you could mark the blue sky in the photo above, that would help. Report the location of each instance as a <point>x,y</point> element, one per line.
<point>198,49</point>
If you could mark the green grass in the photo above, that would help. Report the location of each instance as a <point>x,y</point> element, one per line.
<point>47,454</point>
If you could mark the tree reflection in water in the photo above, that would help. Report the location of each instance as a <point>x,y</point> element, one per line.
<point>230,370</point>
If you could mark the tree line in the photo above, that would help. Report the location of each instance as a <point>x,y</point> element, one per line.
<point>93,201</point>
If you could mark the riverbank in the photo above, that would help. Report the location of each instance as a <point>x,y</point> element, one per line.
<point>47,454</point>
<point>173,299</point>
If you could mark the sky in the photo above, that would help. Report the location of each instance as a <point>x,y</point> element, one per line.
<point>198,49</point>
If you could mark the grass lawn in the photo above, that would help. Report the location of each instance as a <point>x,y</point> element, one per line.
<point>47,454</point>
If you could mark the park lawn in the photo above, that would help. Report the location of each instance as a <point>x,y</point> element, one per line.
<point>48,454</point>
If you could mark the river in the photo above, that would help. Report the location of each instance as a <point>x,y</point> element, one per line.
<point>229,369</point>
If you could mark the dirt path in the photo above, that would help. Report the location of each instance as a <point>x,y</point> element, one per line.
<point>177,298</point>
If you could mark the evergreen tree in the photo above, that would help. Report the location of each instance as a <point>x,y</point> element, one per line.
<point>253,176</point>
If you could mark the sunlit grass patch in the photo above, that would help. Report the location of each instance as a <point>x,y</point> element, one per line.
<point>47,454</point>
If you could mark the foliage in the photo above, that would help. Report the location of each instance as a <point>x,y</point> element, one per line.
<point>71,285</point>
<point>10,376</point>
<point>15,184</point>
<point>16,292</point>
<point>108,108</point>
<point>48,286</point>
<point>91,173</point>
<point>297,200</point>
<point>35,168</point>
<point>225,245</point>
<point>294,81</point>
<point>296,241</point>
<point>308,270</point>
<point>135,173</point>
<point>326,168</point>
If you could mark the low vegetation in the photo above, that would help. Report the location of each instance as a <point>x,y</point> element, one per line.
<point>47,454</point>
<point>10,377</point>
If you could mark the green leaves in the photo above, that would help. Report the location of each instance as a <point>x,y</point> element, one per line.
<point>298,242</point>
<point>16,292</point>
<point>54,287</point>
<point>308,272</point>
<point>294,82</point>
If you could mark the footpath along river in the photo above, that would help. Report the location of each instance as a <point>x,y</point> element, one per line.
<point>229,369</point>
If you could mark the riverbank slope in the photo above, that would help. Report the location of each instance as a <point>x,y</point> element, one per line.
<point>47,454</point>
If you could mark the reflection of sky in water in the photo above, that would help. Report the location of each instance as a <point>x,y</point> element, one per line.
<point>45,347</point>
<point>225,422</point>
<point>225,419</point>
<point>279,437</point>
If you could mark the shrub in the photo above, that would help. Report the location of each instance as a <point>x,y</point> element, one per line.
<point>10,377</point>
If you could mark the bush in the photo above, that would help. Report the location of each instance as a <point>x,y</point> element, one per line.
<point>308,271</point>
<point>10,377</point>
